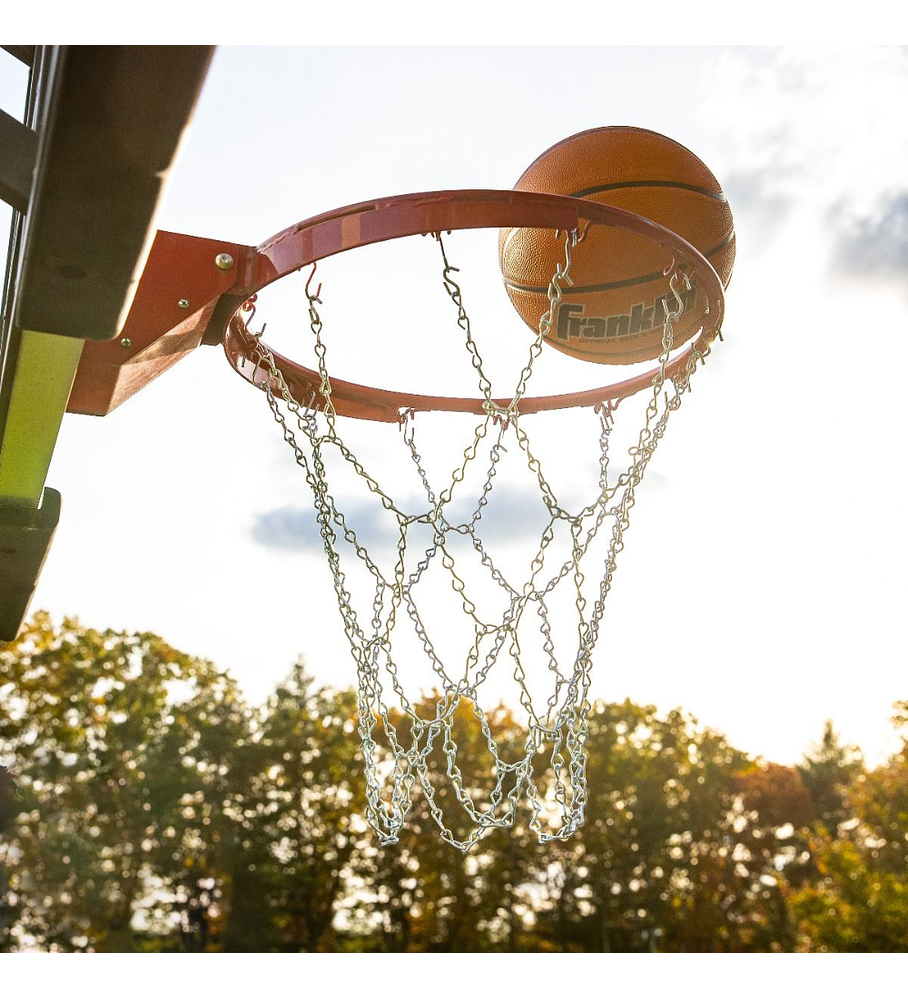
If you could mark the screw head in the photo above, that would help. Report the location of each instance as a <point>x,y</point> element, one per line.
<point>183,303</point>
<point>126,342</point>
<point>223,261</point>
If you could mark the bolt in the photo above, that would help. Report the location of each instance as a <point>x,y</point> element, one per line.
<point>126,343</point>
<point>223,261</point>
<point>183,303</point>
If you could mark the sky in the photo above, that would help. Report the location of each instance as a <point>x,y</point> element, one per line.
<point>762,584</point>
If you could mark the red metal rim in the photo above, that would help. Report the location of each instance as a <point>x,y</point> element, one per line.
<point>443,211</point>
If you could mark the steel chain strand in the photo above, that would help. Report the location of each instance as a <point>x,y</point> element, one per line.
<point>463,320</point>
<point>581,731</point>
<point>620,525</point>
<point>562,274</point>
<point>454,774</point>
<point>436,663</point>
<point>548,647</point>
<point>466,529</point>
<point>420,629</point>
<point>367,695</point>
<point>394,818</point>
<point>315,324</point>
<point>408,432</point>
<point>607,494</point>
<point>498,642</point>
<point>548,535</point>
<point>554,297</point>
<point>306,425</point>
<point>554,293</point>
<point>385,640</point>
<point>325,390</point>
<point>503,769</point>
<point>386,501</point>
<point>436,812</point>
<point>450,745</point>
<point>439,516</point>
<point>446,497</point>
<point>469,529</point>
<point>409,440</point>
<point>322,506</point>
<point>375,650</point>
<point>369,682</point>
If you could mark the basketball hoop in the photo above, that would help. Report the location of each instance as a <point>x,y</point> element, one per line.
<point>398,741</point>
<point>360,225</point>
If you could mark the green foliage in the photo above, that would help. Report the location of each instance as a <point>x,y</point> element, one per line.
<point>856,906</point>
<point>121,749</point>
<point>827,771</point>
<point>858,902</point>
<point>301,818</point>
<point>660,864</point>
<point>430,897</point>
<point>147,807</point>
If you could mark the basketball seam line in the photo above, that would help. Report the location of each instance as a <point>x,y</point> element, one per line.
<point>624,184</point>
<point>644,279</point>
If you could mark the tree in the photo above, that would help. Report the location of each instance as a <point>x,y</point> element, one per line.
<point>304,829</point>
<point>654,868</point>
<point>854,906</point>
<point>429,896</point>
<point>827,771</point>
<point>775,812</point>
<point>858,901</point>
<point>112,735</point>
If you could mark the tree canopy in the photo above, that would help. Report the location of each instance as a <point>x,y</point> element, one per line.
<point>145,806</point>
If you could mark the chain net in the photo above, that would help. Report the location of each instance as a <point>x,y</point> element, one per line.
<point>397,741</point>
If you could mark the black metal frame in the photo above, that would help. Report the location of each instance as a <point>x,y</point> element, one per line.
<point>84,172</point>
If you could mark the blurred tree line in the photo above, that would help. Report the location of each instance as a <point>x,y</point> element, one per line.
<point>145,807</point>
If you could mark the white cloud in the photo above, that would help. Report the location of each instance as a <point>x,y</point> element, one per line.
<point>817,126</point>
<point>876,246</point>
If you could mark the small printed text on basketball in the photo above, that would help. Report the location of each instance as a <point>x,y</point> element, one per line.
<point>574,324</point>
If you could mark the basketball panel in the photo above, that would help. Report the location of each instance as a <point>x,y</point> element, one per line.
<point>614,155</point>
<point>610,255</point>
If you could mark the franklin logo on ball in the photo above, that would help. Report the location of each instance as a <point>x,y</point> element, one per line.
<point>574,324</point>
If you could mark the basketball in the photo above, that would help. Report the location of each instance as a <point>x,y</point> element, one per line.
<point>613,313</point>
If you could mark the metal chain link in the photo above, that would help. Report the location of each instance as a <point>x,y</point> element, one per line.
<point>557,800</point>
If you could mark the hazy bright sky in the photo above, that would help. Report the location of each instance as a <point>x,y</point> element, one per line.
<point>762,586</point>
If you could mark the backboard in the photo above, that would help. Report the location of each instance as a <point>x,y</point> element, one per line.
<point>83,169</point>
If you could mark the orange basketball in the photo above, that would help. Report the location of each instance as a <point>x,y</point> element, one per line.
<point>613,313</point>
